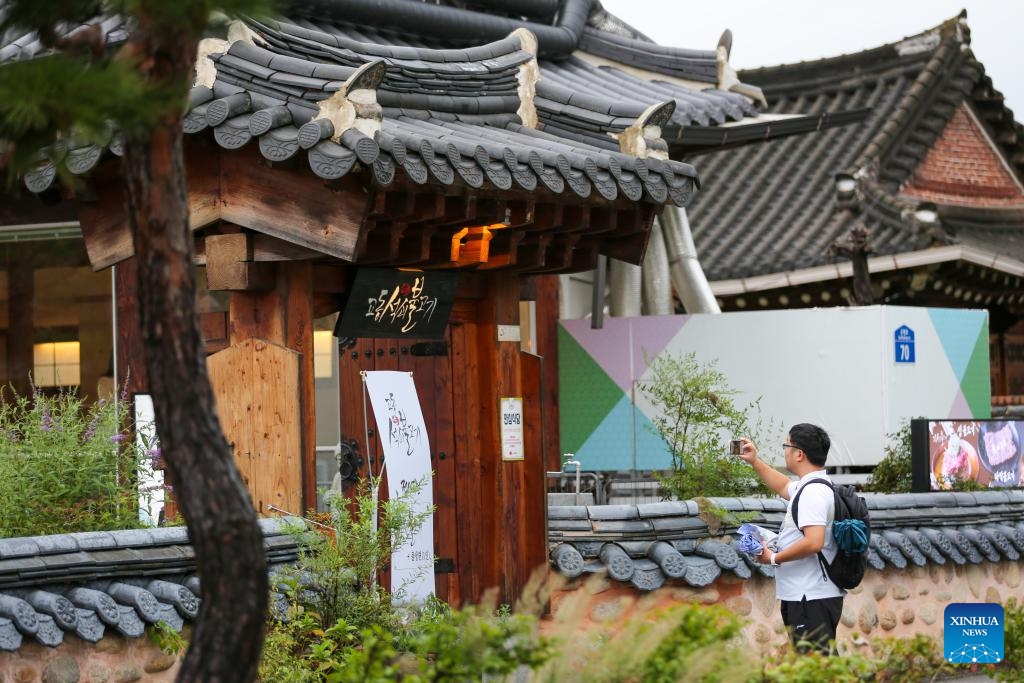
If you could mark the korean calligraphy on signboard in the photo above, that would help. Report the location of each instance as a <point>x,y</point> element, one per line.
<point>403,435</point>
<point>387,303</point>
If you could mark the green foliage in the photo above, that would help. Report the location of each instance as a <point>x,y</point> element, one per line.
<point>163,636</point>
<point>444,646</point>
<point>66,466</point>
<point>1012,667</point>
<point>80,88</point>
<point>893,472</point>
<point>697,414</point>
<point>909,660</point>
<point>685,643</point>
<point>813,667</point>
<point>336,577</point>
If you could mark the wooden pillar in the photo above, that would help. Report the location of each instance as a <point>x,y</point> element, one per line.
<point>546,287</point>
<point>284,315</point>
<point>131,359</point>
<point>506,484</point>
<point>20,327</point>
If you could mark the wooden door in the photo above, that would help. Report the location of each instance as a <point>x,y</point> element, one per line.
<point>489,526</point>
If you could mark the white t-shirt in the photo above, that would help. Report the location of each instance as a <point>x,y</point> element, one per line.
<point>805,578</point>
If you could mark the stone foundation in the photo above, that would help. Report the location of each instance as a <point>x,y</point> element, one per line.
<point>114,659</point>
<point>895,602</point>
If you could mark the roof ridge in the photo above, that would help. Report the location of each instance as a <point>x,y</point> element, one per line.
<point>839,65</point>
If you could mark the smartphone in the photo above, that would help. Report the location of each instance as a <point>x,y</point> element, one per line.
<point>735,447</point>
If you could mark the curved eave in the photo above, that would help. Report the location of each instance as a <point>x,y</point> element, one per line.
<point>691,139</point>
<point>876,264</point>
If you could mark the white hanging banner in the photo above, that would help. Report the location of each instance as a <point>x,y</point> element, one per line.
<point>407,459</point>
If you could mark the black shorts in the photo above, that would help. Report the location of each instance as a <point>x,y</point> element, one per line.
<point>812,623</point>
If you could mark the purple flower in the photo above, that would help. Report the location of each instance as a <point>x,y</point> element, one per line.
<point>46,422</point>
<point>90,430</point>
<point>154,456</point>
<point>118,438</point>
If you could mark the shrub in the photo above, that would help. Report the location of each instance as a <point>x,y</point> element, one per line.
<point>66,466</point>
<point>336,576</point>
<point>697,413</point>
<point>813,667</point>
<point>681,644</point>
<point>893,473</point>
<point>909,660</point>
<point>1012,667</point>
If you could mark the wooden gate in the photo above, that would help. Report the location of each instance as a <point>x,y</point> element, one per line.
<point>470,526</point>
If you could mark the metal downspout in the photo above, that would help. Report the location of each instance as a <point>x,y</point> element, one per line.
<point>624,284</point>
<point>657,287</point>
<point>684,267</point>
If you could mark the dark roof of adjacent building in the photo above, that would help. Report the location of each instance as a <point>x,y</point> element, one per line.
<point>650,544</point>
<point>92,583</point>
<point>938,132</point>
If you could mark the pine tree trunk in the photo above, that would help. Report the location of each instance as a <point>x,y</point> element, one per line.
<point>226,644</point>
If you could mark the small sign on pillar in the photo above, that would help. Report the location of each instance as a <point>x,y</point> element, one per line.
<point>512,428</point>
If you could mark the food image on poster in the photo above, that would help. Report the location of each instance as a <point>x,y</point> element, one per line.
<point>985,451</point>
<point>1000,450</point>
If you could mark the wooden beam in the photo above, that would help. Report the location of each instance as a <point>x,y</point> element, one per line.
<point>293,204</point>
<point>105,229</point>
<point>229,264</point>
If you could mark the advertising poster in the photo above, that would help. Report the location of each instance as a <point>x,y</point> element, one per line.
<point>945,452</point>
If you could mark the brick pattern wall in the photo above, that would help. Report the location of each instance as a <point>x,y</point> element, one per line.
<point>963,168</point>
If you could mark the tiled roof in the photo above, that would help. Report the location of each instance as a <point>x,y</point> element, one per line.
<point>647,545</point>
<point>772,207</point>
<point>446,116</point>
<point>92,583</point>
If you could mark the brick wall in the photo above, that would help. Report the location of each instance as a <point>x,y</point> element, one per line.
<point>963,168</point>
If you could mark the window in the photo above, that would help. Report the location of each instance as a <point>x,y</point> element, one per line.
<point>56,364</point>
<point>323,354</point>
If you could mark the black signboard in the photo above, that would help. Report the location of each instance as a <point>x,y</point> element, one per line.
<point>946,452</point>
<point>398,304</point>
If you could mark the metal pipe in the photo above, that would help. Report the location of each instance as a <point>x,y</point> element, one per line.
<point>597,295</point>
<point>578,466</point>
<point>684,267</point>
<point>453,23</point>
<point>624,286</point>
<point>656,283</point>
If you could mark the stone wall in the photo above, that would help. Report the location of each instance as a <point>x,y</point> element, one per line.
<point>114,659</point>
<point>893,602</point>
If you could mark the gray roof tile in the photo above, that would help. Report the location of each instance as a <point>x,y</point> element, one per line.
<point>913,529</point>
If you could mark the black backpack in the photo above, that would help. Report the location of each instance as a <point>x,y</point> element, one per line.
<point>851,530</point>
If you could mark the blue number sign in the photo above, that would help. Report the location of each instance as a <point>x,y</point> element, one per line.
<point>904,344</point>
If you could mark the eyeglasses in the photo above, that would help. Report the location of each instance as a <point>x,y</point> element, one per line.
<point>789,445</point>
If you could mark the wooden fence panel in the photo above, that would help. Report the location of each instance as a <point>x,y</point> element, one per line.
<point>257,388</point>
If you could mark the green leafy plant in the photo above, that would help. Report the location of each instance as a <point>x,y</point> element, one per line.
<point>162,635</point>
<point>336,576</point>
<point>681,644</point>
<point>792,667</point>
<point>910,660</point>
<point>66,465</point>
<point>1012,667</point>
<point>696,414</point>
<point>893,473</point>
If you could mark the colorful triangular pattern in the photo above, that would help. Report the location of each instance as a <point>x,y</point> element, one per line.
<point>578,369</point>
<point>959,336</point>
<point>610,447</point>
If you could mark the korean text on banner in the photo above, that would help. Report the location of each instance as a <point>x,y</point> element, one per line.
<point>407,459</point>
